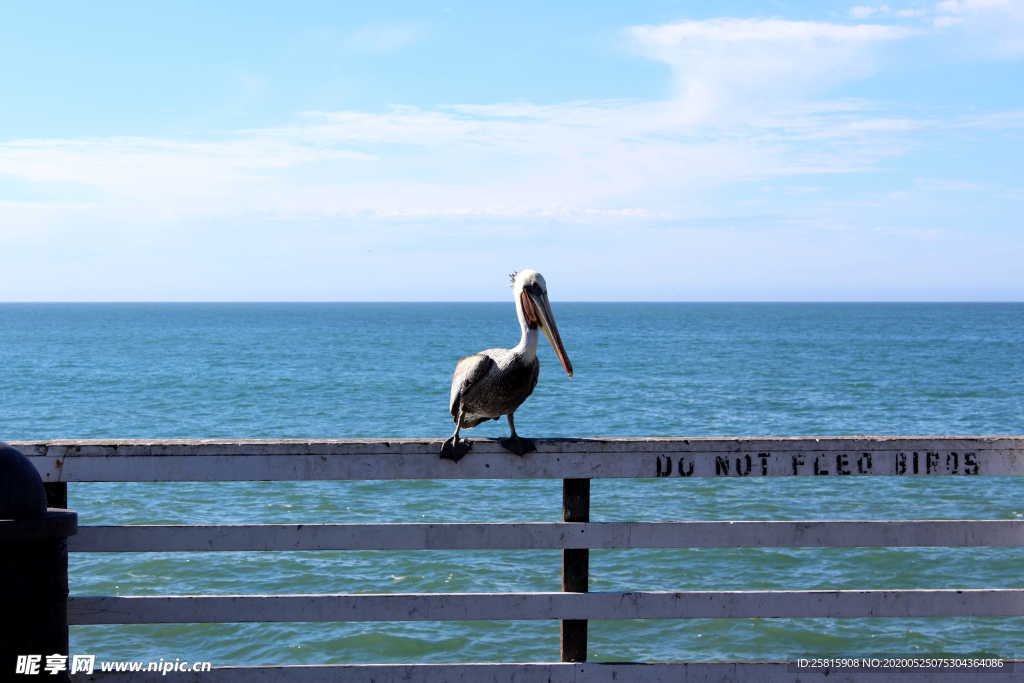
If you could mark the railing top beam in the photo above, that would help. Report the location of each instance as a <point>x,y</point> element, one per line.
<point>169,447</point>
<point>296,459</point>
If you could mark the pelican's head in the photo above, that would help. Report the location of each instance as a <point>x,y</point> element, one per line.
<point>531,296</point>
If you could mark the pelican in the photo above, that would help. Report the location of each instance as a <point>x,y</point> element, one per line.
<point>495,382</point>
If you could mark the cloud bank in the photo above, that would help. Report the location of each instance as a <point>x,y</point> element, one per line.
<point>742,108</point>
<point>752,116</point>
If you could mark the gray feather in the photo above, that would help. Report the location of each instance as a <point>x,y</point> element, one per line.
<point>491,384</point>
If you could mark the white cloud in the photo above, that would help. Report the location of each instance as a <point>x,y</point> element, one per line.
<point>123,176</point>
<point>575,162</point>
<point>745,108</point>
<point>947,185</point>
<point>882,11</point>
<point>727,66</point>
<point>995,121</point>
<point>761,31</point>
<point>382,39</point>
<point>968,6</point>
<point>867,11</point>
<point>738,163</point>
<point>992,27</point>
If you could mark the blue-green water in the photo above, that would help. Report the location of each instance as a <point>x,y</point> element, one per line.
<point>382,370</point>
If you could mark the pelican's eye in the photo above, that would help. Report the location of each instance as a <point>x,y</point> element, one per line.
<point>535,289</point>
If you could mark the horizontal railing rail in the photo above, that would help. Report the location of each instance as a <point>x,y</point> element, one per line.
<point>575,461</point>
<point>549,535</point>
<point>176,609</point>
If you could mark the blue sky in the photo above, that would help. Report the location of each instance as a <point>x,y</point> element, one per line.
<point>629,151</point>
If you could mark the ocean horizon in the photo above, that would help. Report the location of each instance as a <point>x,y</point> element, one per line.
<point>502,301</point>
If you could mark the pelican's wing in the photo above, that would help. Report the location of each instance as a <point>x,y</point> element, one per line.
<point>468,372</point>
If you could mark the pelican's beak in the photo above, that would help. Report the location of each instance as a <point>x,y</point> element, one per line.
<point>547,323</point>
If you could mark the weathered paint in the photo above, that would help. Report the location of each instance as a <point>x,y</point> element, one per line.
<point>549,535</point>
<point>290,460</point>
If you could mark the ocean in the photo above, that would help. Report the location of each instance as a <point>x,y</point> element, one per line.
<point>641,369</point>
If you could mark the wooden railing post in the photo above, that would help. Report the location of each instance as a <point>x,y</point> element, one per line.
<point>575,568</point>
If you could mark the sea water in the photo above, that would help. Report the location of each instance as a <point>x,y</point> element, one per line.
<point>383,370</point>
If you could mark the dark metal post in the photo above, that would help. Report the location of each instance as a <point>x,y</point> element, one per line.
<point>56,494</point>
<point>33,574</point>
<point>575,568</point>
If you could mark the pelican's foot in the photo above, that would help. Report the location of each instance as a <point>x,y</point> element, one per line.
<point>454,450</point>
<point>518,445</point>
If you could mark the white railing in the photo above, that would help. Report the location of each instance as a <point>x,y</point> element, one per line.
<point>575,461</point>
